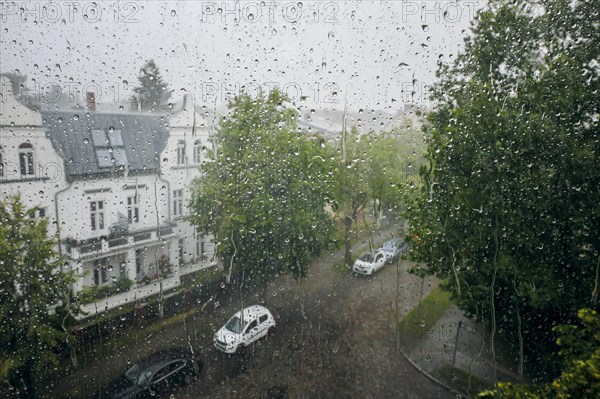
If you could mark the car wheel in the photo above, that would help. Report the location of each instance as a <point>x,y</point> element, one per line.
<point>271,331</point>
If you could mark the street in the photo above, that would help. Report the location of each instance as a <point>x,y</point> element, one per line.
<point>335,338</point>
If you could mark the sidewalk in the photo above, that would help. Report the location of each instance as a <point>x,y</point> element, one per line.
<point>456,353</point>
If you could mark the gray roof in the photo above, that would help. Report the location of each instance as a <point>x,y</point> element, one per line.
<point>101,144</point>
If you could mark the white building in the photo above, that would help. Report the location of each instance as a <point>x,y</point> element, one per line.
<point>117,185</point>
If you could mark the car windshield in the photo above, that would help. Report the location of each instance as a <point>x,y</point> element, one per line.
<point>137,375</point>
<point>391,245</point>
<point>234,325</point>
<point>367,257</point>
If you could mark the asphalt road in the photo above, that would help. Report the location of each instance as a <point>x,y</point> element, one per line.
<point>336,337</point>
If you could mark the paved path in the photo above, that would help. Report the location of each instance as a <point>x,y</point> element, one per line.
<point>458,342</point>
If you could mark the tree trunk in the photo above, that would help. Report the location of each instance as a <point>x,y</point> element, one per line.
<point>348,226</point>
<point>28,379</point>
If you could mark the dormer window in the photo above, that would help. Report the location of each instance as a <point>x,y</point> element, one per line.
<point>26,159</point>
<point>109,148</point>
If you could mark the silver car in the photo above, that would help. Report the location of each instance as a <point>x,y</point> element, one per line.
<point>393,248</point>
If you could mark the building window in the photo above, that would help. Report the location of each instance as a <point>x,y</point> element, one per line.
<point>201,248</point>
<point>109,148</point>
<point>1,162</point>
<point>100,275</point>
<point>177,202</point>
<point>97,215</point>
<point>133,210</point>
<point>26,159</point>
<point>139,254</point>
<point>197,151</point>
<point>180,152</point>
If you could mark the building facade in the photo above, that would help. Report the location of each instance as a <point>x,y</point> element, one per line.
<point>116,189</point>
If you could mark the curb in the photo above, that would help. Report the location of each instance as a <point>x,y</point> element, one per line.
<point>432,378</point>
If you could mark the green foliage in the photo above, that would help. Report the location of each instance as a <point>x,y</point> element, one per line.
<point>94,293</point>
<point>263,195</point>
<point>153,92</point>
<point>351,191</point>
<point>387,159</point>
<point>509,208</point>
<point>375,167</point>
<point>31,284</point>
<point>580,378</point>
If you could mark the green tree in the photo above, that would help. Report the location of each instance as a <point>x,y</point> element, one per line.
<point>373,167</point>
<point>34,296</point>
<point>580,377</point>
<point>509,210</point>
<point>387,159</point>
<point>351,188</point>
<point>263,195</point>
<point>152,94</point>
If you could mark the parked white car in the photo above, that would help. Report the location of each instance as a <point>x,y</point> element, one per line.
<point>243,328</point>
<point>369,262</point>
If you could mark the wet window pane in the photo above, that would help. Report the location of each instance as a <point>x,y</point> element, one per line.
<point>299,199</point>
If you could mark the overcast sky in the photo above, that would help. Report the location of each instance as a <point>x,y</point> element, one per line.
<point>367,52</point>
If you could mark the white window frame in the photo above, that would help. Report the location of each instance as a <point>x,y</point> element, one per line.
<point>201,248</point>
<point>26,160</point>
<point>181,152</point>
<point>178,203</point>
<point>133,209</point>
<point>197,152</point>
<point>97,215</point>
<point>100,272</point>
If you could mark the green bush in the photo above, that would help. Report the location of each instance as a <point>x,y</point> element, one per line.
<point>123,284</point>
<point>94,293</point>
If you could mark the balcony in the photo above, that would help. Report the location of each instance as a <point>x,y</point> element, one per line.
<point>91,248</point>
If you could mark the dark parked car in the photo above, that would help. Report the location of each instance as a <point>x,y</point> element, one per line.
<point>155,375</point>
<point>393,248</point>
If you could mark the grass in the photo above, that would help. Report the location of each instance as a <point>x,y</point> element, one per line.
<point>340,266</point>
<point>421,319</point>
<point>459,380</point>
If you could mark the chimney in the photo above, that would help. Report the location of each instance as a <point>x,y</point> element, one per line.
<point>91,101</point>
